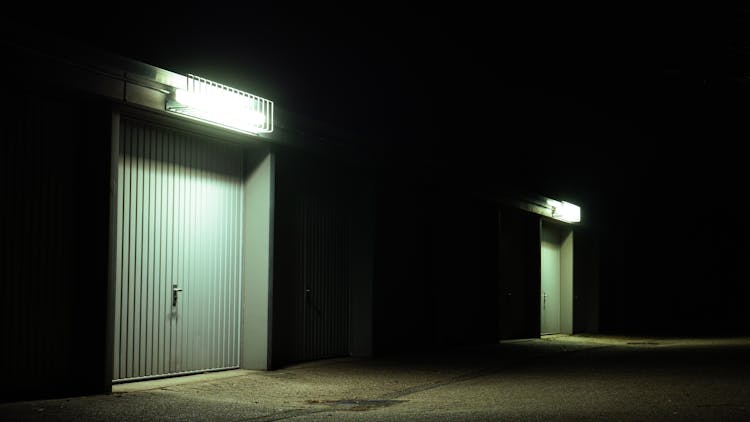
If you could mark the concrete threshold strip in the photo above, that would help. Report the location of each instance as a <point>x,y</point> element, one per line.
<point>161,383</point>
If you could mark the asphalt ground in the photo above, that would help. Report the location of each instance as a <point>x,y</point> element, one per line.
<point>553,378</point>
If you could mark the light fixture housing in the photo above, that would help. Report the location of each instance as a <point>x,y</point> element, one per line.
<point>222,106</point>
<point>564,211</point>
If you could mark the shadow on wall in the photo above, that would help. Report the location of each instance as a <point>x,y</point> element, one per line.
<point>55,156</point>
<point>683,252</point>
<point>436,269</point>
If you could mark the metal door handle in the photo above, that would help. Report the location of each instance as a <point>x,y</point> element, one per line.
<point>545,301</point>
<point>175,290</point>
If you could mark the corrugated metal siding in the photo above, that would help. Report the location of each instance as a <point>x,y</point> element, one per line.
<point>53,185</point>
<point>179,221</point>
<point>519,269</point>
<point>323,259</point>
<point>38,270</point>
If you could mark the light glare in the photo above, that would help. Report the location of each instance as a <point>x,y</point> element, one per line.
<point>222,106</point>
<point>564,211</point>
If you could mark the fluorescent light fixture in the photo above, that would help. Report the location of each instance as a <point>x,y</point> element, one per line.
<point>564,211</point>
<point>222,106</point>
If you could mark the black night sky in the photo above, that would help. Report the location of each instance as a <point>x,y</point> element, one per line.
<point>608,87</point>
<point>397,75</point>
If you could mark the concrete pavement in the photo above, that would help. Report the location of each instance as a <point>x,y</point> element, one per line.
<point>553,378</point>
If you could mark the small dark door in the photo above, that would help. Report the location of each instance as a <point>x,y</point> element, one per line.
<point>324,255</point>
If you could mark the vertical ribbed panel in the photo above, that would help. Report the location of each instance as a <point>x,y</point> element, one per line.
<point>323,254</point>
<point>178,222</point>
<point>39,231</point>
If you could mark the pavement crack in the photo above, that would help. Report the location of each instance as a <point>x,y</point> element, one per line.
<point>389,399</point>
<point>476,374</point>
<point>288,414</point>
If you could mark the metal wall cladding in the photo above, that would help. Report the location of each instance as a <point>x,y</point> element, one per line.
<point>39,231</point>
<point>519,269</point>
<point>179,219</point>
<point>54,185</point>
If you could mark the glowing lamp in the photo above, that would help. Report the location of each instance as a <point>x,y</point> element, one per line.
<point>222,106</point>
<point>564,211</point>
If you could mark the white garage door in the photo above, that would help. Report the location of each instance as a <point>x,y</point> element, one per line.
<point>178,262</point>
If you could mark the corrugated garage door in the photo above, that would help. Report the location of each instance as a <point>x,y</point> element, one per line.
<point>179,219</point>
<point>312,261</point>
<point>323,254</point>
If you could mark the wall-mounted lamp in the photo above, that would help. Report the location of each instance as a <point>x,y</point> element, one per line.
<point>222,106</point>
<point>564,211</point>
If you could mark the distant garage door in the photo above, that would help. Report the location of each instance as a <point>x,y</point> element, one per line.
<point>178,253</point>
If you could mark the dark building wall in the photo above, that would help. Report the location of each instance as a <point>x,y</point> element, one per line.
<point>684,268</point>
<point>613,285</point>
<point>404,295</point>
<point>463,270</point>
<point>436,267</point>
<point>453,270</point>
<point>585,280</point>
<point>671,240</point>
<point>55,153</point>
<point>519,274</point>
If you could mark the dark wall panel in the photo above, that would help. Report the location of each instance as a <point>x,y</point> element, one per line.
<point>54,227</point>
<point>585,281</point>
<point>519,274</point>
<point>404,295</point>
<point>463,276</point>
<point>436,268</point>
